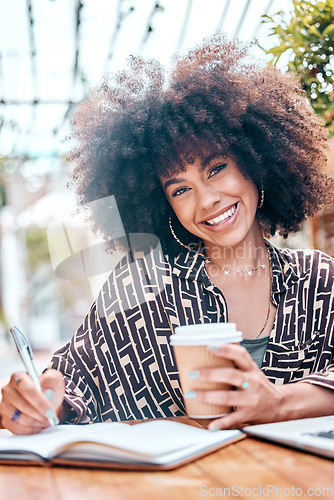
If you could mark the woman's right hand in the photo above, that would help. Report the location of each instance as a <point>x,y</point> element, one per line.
<point>26,410</point>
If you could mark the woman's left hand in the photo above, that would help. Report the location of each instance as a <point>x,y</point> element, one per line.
<point>256,400</point>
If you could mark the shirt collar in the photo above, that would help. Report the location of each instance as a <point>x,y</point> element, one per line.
<point>190,266</point>
<point>283,274</point>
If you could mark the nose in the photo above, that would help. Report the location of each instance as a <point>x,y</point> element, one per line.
<point>207,196</point>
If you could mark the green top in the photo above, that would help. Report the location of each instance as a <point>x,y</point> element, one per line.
<point>256,348</point>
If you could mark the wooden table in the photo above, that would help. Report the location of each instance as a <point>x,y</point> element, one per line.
<point>242,468</point>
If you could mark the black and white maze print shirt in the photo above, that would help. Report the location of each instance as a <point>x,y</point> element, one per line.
<point>119,365</point>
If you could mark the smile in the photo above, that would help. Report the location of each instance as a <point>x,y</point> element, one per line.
<point>222,217</point>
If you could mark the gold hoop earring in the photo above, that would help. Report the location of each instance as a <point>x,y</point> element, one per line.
<point>260,205</point>
<point>174,235</point>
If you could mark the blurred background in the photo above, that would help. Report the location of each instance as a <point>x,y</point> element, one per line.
<point>51,53</point>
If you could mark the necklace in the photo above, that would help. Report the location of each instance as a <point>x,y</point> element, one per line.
<point>226,272</point>
<point>270,289</point>
<point>250,273</point>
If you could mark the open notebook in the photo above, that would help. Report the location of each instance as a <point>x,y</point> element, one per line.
<point>158,444</point>
<point>315,435</point>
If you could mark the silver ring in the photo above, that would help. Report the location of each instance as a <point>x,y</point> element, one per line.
<point>17,380</point>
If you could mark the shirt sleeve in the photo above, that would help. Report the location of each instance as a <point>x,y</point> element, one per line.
<point>323,378</point>
<point>323,374</point>
<point>76,362</point>
<point>118,366</point>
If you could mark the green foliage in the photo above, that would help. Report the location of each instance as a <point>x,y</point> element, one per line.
<point>37,248</point>
<point>309,37</point>
<point>2,195</point>
<point>3,172</point>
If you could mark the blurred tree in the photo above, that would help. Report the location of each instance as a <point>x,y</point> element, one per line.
<point>37,248</point>
<point>2,184</point>
<point>309,36</point>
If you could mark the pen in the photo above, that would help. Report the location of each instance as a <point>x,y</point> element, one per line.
<point>25,352</point>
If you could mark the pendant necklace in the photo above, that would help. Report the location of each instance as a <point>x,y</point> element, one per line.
<point>250,272</point>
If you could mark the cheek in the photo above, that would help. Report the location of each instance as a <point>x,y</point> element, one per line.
<point>249,194</point>
<point>182,212</point>
<point>254,197</point>
<point>180,204</point>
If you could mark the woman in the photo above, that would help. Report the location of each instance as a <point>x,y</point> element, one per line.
<point>210,160</point>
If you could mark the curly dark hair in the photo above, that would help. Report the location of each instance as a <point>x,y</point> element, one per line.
<point>146,121</point>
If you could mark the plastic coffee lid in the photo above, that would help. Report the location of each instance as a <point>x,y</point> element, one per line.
<point>206,328</point>
<point>176,340</point>
<point>206,339</point>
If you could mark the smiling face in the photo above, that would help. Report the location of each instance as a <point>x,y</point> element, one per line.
<point>213,201</point>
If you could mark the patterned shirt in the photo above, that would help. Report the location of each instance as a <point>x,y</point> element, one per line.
<point>119,364</point>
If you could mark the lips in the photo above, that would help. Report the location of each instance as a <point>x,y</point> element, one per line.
<point>222,217</point>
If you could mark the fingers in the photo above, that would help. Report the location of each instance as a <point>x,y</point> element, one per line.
<point>53,386</point>
<point>233,420</point>
<point>23,401</point>
<point>236,353</point>
<point>246,383</point>
<point>19,422</point>
<point>241,387</point>
<point>230,376</point>
<point>24,409</point>
<point>226,398</point>
<point>243,406</point>
<point>19,409</point>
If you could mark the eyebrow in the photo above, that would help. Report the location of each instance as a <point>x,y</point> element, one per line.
<point>208,159</point>
<point>170,182</point>
<point>204,163</point>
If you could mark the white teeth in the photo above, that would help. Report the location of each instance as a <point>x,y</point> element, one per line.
<point>222,217</point>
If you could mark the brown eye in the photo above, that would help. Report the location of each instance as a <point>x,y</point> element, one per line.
<point>217,168</point>
<point>179,191</point>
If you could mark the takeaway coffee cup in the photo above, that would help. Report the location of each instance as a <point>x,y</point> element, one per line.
<point>190,344</point>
